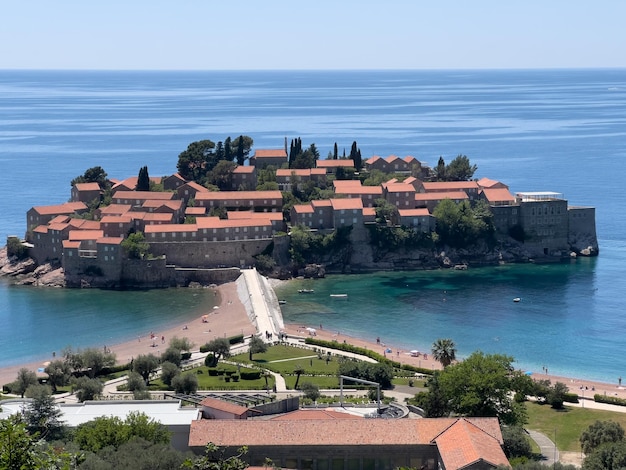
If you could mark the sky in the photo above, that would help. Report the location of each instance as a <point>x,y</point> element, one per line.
<point>316,34</point>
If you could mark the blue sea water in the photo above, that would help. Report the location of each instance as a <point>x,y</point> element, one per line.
<point>536,130</point>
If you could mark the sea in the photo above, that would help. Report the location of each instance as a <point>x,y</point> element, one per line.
<point>535,130</point>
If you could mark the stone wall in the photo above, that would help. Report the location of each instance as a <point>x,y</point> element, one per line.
<point>582,230</point>
<point>210,254</point>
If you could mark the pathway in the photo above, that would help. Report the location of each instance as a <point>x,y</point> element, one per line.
<point>548,449</point>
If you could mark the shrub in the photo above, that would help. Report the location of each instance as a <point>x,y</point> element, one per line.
<point>213,372</point>
<point>15,248</point>
<point>251,375</point>
<point>235,378</point>
<point>210,360</point>
<point>235,339</point>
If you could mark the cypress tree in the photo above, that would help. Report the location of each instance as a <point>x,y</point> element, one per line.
<point>143,180</point>
<point>335,152</point>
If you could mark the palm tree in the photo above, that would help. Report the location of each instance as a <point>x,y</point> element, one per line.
<point>298,370</point>
<point>444,351</point>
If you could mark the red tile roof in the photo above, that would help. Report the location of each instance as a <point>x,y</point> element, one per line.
<point>115,209</point>
<point>321,203</point>
<point>116,219</point>
<point>346,183</point>
<point>315,414</point>
<point>66,208</point>
<point>216,222</point>
<point>399,188</point>
<point>225,406</point>
<point>71,244</point>
<point>322,432</point>
<point>335,163</point>
<point>244,169</point>
<point>110,240</point>
<point>87,186</point>
<point>454,195</point>
<point>347,203</point>
<point>464,444</point>
<point>498,195</point>
<point>303,208</point>
<point>195,211</point>
<point>144,195</point>
<point>449,185</point>
<point>413,212</point>
<point>171,228</point>
<point>489,183</point>
<point>270,153</point>
<point>358,190</point>
<point>239,195</point>
<point>76,235</point>
<point>245,215</point>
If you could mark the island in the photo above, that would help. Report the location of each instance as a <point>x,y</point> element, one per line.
<point>289,213</point>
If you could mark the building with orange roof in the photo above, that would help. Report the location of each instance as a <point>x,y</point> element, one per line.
<point>430,200</point>
<point>86,192</point>
<point>244,178</point>
<point>401,195</point>
<point>41,215</point>
<point>419,219</point>
<point>112,209</point>
<point>331,166</point>
<point>188,191</point>
<point>276,218</point>
<point>287,177</point>
<point>116,225</point>
<point>367,194</point>
<point>173,182</point>
<point>130,184</point>
<point>347,212</point>
<point>263,158</point>
<point>258,201</point>
<point>469,187</point>
<point>382,444</point>
<point>497,196</point>
<point>394,164</point>
<point>491,184</point>
<point>137,198</point>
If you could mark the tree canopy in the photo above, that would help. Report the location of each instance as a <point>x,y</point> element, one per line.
<point>459,169</point>
<point>444,351</point>
<point>479,386</point>
<point>93,175</point>
<point>135,245</point>
<point>461,225</point>
<point>600,433</point>
<point>143,180</point>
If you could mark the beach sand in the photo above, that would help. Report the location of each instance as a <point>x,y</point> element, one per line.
<point>231,319</point>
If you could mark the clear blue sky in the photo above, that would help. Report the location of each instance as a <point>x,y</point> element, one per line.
<point>315,34</point>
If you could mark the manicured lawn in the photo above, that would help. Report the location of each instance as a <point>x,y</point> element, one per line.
<point>212,382</point>
<point>568,423</point>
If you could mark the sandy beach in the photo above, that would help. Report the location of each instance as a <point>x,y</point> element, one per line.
<point>231,318</point>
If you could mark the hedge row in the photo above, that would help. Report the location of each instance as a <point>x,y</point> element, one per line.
<point>365,352</point>
<point>608,399</point>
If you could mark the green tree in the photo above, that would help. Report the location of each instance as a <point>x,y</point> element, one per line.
<point>93,175</point>
<point>516,443</point>
<point>25,378</point>
<point>222,175</point>
<point>16,248</point>
<point>257,345</point>
<point>143,180</point>
<point>228,149</point>
<point>215,458</point>
<point>609,456</point>
<point>185,383</point>
<point>197,160</point>
<point>310,390</point>
<point>42,415</point>
<point>460,225</point>
<point>220,347</point>
<point>111,431</point>
<point>172,354</point>
<point>460,169</point>
<point>94,360</point>
<point>556,395</point>
<point>169,370</point>
<point>242,146</point>
<point>444,351</point>
<point>433,402</point>
<point>86,389</point>
<point>145,365</point>
<point>335,152</point>
<point>59,373</point>
<point>137,385</point>
<point>136,454</point>
<point>135,246</point>
<point>482,386</point>
<point>600,433</point>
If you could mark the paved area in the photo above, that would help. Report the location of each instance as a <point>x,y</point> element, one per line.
<point>548,448</point>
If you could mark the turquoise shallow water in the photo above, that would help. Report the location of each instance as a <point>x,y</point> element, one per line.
<point>536,130</point>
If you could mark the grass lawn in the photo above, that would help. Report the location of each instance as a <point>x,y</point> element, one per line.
<point>212,382</point>
<point>568,423</point>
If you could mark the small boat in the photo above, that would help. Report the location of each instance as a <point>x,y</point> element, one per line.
<point>305,291</point>
<point>517,299</point>
<point>339,296</point>
<point>282,302</point>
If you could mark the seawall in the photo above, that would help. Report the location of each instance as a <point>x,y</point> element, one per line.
<point>261,303</point>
